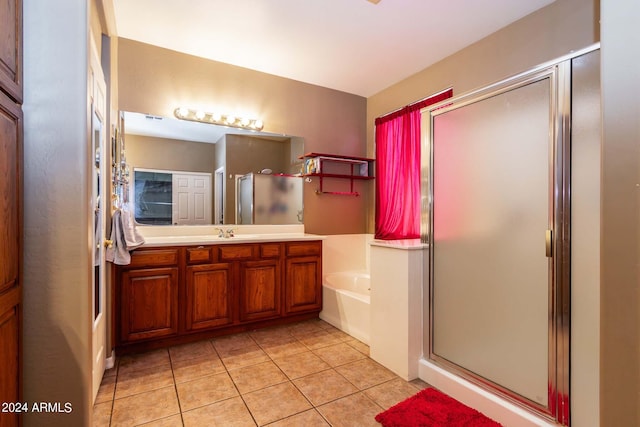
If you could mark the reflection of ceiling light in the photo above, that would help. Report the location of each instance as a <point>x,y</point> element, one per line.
<point>218,119</point>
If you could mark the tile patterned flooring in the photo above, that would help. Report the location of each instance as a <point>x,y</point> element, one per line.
<point>304,374</point>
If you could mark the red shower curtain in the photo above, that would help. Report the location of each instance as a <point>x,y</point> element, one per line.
<point>398,171</point>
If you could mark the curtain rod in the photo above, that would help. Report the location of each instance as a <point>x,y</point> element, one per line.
<point>415,102</point>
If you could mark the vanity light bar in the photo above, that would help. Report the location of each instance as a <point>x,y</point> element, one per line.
<point>218,119</point>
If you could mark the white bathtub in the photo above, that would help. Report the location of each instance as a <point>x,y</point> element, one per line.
<point>346,302</point>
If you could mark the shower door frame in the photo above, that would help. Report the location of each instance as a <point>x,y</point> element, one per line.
<point>559,75</point>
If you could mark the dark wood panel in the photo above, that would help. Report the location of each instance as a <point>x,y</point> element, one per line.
<point>270,250</point>
<point>302,286</point>
<point>154,258</point>
<point>260,290</point>
<point>10,192</point>
<point>236,252</point>
<point>11,48</point>
<point>200,255</point>
<point>209,295</point>
<point>149,303</point>
<point>304,248</point>
<point>10,372</point>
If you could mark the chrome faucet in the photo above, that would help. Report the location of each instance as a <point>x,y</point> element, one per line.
<point>229,232</point>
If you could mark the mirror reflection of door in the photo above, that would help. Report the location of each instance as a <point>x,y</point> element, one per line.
<point>98,108</point>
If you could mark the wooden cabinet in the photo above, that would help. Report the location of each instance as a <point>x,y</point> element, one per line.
<point>150,303</point>
<point>11,48</point>
<point>167,295</point>
<point>11,165</point>
<point>260,293</point>
<point>209,296</point>
<point>303,273</point>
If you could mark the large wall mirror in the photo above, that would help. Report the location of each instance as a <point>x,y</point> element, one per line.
<point>190,173</point>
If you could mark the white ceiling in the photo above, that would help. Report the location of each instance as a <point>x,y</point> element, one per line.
<point>350,45</point>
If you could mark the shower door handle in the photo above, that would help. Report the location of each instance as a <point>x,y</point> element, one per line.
<point>548,243</point>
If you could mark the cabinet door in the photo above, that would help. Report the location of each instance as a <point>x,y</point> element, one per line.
<point>303,291</point>
<point>149,303</point>
<point>11,48</point>
<point>209,296</point>
<point>260,289</point>
<point>10,253</point>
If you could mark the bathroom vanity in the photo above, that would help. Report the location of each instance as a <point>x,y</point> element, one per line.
<point>179,289</point>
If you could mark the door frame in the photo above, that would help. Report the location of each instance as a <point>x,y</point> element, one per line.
<point>98,110</point>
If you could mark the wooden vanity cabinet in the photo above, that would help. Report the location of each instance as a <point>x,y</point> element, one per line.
<point>148,295</point>
<point>209,296</point>
<point>167,295</point>
<point>303,283</point>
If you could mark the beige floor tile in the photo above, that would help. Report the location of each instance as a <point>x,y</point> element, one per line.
<point>319,340</point>
<point>392,392</point>
<point>111,372</point>
<point>310,418</point>
<point>101,414</point>
<point>230,412</point>
<point>339,354</point>
<point>271,335</point>
<point>150,359</point>
<point>284,348</point>
<point>205,391</point>
<point>227,344</point>
<point>190,369</point>
<point>237,358</point>
<point>191,351</point>
<point>419,383</point>
<point>301,364</point>
<point>142,380</point>
<point>275,403</point>
<point>359,345</point>
<point>107,389</point>
<point>355,410</point>
<point>302,329</point>
<point>145,407</point>
<point>365,373</point>
<point>173,421</point>
<point>256,377</point>
<point>324,387</point>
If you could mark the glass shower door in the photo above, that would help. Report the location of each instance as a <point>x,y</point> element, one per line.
<point>495,164</point>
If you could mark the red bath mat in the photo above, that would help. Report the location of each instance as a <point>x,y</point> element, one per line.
<point>431,408</point>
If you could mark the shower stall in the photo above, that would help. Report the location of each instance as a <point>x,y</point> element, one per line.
<point>497,180</point>
<point>269,199</point>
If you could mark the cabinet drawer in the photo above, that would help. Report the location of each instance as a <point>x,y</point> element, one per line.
<point>153,257</point>
<point>236,252</point>
<point>270,250</point>
<point>304,248</point>
<point>200,255</point>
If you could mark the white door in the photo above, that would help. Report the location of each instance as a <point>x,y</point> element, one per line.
<point>191,198</point>
<point>98,203</point>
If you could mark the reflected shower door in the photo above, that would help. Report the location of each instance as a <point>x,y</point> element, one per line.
<point>492,206</point>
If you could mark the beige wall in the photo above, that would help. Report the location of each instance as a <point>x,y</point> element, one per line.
<point>156,81</point>
<point>57,218</point>
<point>620,226</point>
<point>170,154</point>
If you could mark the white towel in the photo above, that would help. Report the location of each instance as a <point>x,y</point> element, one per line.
<point>117,253</point>
<point>132,238</point>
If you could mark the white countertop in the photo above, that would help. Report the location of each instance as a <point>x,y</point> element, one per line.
<point>405,244</point>
<point>213,239</point>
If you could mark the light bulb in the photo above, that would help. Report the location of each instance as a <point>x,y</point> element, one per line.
<point>200,115</point>
<point>258,124</point>
<point>182,112</point>
<point>245,122</point>
<point>230,120</point>
<point>216,117</point>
